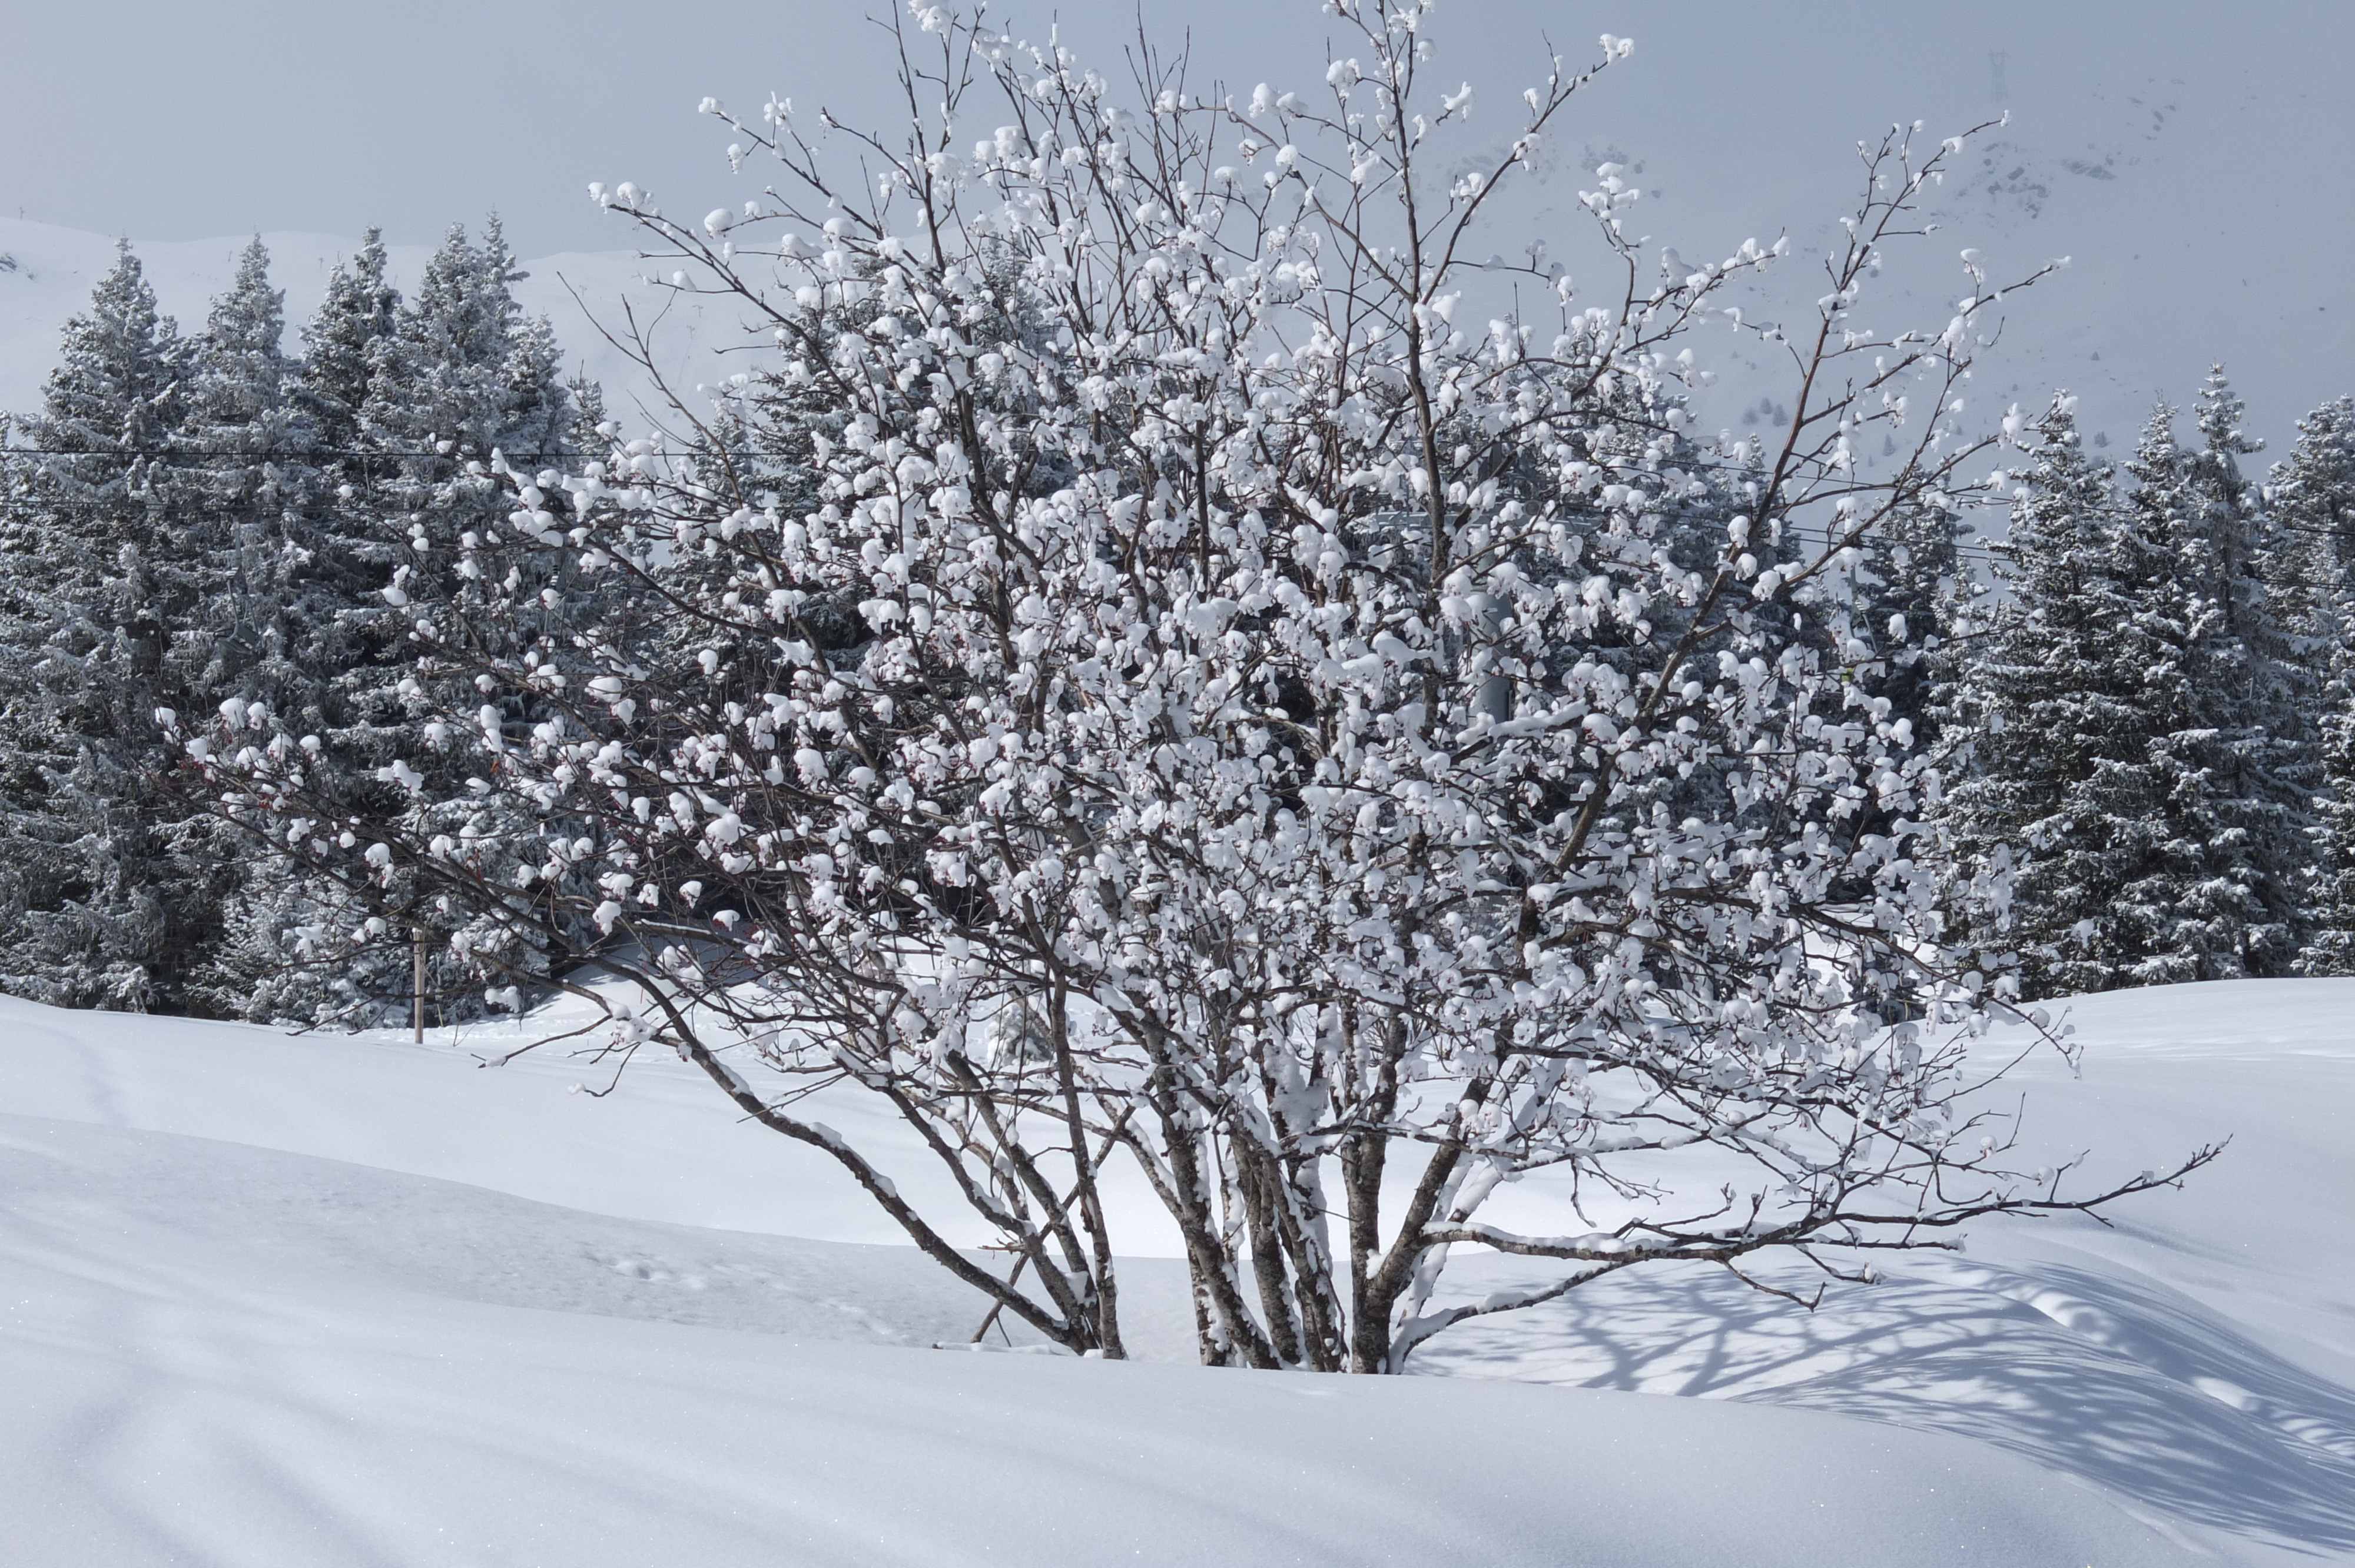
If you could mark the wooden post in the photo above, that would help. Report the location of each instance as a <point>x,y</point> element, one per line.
<point>417,1002</point>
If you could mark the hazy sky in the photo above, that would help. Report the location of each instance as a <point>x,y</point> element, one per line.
<point>173,120</point>
<point>2191,157</point>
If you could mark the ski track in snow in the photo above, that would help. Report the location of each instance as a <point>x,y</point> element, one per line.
<point>268,1299</point>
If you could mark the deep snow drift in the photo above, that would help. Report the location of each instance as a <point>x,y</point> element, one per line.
<point>323,1300</point>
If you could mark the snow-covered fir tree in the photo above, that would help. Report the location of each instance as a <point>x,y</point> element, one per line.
<point>108,884</point>
<point>254,488</point>
<point>335,571</point>
<point>271,960</point>
<point>249,448</point>
<point>2054,807</point>
<point>1914,596</point>
<point>2310,533</point>
<point>203,525</point>
<point>2331,943</point>
<point>458,383</point>
<point>340,340</point>
<point>2250,756</point>
<point>2135,727</point>
<point>461,375</point>
<point>2311,517</point>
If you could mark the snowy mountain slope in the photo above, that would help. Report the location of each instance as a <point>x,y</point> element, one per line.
<point>200,1310</point>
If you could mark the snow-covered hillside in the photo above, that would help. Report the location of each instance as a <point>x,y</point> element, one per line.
<point>319,1300</point>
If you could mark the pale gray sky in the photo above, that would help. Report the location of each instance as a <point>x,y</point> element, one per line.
<point>2193,161</point>
<point>177,120</point>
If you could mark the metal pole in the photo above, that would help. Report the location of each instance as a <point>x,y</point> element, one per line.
<point>417,1004</point>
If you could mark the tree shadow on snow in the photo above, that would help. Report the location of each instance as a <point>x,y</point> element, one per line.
<point>2115,1381</point>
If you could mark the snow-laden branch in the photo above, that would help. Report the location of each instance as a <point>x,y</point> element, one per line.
<point>1138,671</point>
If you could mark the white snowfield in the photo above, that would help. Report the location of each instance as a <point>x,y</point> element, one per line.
<point>323,1300</point>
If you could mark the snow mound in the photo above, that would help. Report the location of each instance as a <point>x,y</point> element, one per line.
<point>267,1298</point>
<point>2194,1354</point>
<point>216,1395</point>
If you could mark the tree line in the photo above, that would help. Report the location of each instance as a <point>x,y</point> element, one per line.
<point>2152,727</point>
<point>2143,717</point>
<point>201,520</point>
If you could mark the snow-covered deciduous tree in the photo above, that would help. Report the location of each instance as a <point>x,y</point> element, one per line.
<point>1172,664</point>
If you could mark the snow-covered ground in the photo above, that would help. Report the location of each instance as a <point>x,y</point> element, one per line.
<point>323,1300</point>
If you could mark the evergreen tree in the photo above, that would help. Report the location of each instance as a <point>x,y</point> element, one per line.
<point>1915,597</point>
<point>205,526</point>
<point>331,571</point>
<point>1906,611</point>
<point>339,344</point>
<point>275,958</point>
<point>253,439</point>
<point>2310,533</point>
<point>591,431</point>
<point>2330,945</point>
<point>457,379</point>
<point>250,447</point>
<point>2056,810</point>
<point>2160,765</point>
<point>2313,578</point>
<point>2249,760</point>
<point>462,379</point>
<point>102,903</point>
